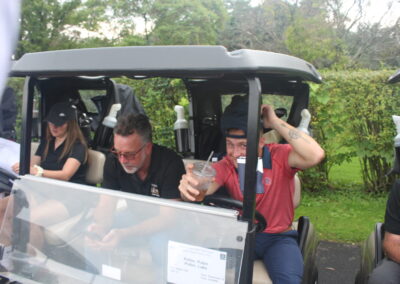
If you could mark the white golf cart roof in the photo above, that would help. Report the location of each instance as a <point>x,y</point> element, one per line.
<point>168,61</point>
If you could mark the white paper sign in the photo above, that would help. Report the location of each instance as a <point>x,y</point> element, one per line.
<point>9,153</point>
<point>193,264</point>
<point>111,272</point>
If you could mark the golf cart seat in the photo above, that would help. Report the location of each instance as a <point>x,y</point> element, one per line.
<point>371,253</point>
<point>96,160</point>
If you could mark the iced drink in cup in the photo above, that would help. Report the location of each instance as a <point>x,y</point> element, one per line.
<point>204,174</point>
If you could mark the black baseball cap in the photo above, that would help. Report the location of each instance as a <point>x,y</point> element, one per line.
<point>235,115</point>
<point>60,113</point>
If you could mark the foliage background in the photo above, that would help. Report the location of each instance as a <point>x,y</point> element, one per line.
<point>352,118</point>
<point>351,110</point>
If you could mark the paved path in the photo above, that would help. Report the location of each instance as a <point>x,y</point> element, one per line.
<point>337,262</point>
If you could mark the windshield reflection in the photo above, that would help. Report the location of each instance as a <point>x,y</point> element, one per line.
<point>170,240</point>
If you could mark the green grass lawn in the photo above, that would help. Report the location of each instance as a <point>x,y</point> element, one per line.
<point>344,215</point>
<point>347,172</point>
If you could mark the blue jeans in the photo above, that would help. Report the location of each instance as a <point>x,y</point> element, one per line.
<point>281,255</point>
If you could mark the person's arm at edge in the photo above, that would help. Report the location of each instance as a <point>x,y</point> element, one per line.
<point>69,169</point>
<point>391,241</point>
<point>391,246</point>
<point>306,151</point>
<point>35,160</point>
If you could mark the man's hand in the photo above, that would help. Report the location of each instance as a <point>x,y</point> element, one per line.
<point>15,168</point>
<point>33,170</point>
<point>95,233</point>
<point>306,151</point>
<point>187,185</point>
<point>269,116</point>
<point>109,241</point>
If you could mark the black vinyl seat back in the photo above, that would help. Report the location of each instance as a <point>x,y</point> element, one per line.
<point>379,235</point>
<point>8,114</point>
<point>93,98</point>
<point>206,113</point>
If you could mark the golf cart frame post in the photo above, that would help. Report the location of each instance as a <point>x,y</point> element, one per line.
<point>26,127</point>
<point>183,62</point>
<point>249,195</point>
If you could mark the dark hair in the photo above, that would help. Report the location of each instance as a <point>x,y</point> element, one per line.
<point>134,123</point>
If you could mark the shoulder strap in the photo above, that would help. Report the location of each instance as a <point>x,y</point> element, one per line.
<point>267,162</point>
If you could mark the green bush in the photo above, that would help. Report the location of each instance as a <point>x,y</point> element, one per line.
<point>351,120</point>
<point>158,97</point>
<point>352,117</point>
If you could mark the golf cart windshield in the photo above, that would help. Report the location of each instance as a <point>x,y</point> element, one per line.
<point>206,249</point>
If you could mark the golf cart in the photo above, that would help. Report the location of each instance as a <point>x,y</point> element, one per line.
<point>371,250</point>
<point>201,243</point>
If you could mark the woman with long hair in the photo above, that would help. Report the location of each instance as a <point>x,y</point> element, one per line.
<point>63,153</point>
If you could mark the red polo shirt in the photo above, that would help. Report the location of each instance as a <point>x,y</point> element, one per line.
<point>276,202</point>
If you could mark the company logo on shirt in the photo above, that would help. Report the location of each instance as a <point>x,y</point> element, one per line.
<point>154,190</point>
<point>267,181</point>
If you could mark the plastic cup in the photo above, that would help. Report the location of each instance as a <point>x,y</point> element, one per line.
<point>204,174</point>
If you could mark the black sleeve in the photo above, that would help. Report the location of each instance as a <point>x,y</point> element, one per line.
<point>78,152</point>
<point>110,179</point>
<point>392,215</point>
<point>173,175</point>
<point>40,149</point>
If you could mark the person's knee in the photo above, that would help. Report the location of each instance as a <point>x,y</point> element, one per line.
<point>387,272</point>
<point>286,269</point>
<point>377,277</point>
<point>287,277</point>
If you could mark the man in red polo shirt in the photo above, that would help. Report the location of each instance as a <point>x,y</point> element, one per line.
<point>277,244</point>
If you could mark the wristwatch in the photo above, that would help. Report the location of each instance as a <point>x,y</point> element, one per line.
<point>39,172</point>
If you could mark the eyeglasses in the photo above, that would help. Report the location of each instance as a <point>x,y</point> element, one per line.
<point>127,155</point>
<point>240,146</point>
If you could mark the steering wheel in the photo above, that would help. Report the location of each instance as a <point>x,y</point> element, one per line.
<point>226,202</point>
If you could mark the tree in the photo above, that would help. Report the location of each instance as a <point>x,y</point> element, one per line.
<point>313,38</point>
<point>375,47</point>
<point>368,45</point>
<point>54,24</point>
<point>187,21</point>
<point>127,13</point>
<point>261,27</point>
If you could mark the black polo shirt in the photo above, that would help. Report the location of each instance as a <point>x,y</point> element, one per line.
<point>392,215</point>
<point>166,170</point>
<point>53,163</point>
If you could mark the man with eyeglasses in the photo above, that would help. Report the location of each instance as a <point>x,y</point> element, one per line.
<point>135,165</point>
<point>277,244</point>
